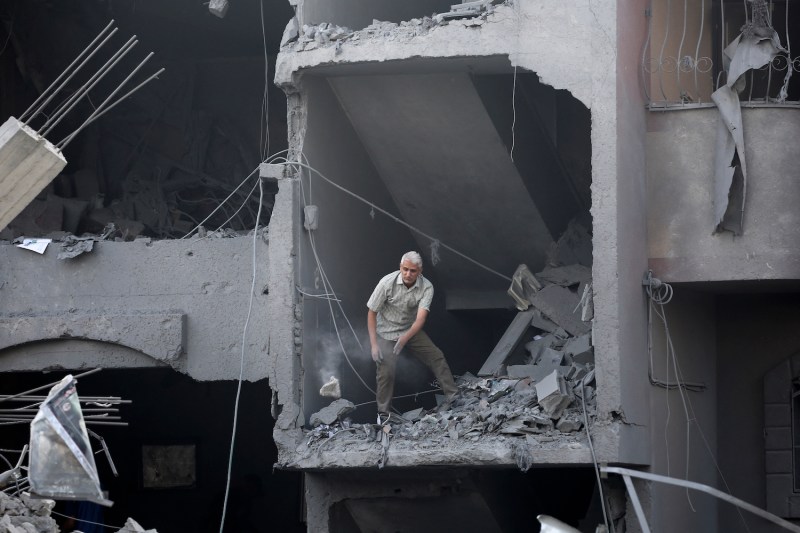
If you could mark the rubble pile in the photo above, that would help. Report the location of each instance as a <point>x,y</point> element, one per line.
<point>24,514</point>
<point>312,36</point>
<point>506,408</point>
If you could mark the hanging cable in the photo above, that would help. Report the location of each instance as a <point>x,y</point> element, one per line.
<point>241,360</point>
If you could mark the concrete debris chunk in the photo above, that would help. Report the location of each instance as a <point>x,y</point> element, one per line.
<point>413,415</point>
<point>566,276</point>
<point>538,345</point>
<point>132,526</point>
<point>291,32</point>
<point>523,286</point>
<point>580,349</point>
<point>567,425</point>
<point>574,246</point>
<point>560,305</point>
<point>218,8</point>
<point>333,412</point>
<point>24,514</point>
<point>553,395</point>
<point>331,389</point>
<point>543,323</point>
<point>75,247</point>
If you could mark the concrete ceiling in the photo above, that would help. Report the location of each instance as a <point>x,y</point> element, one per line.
<point>439,154</point>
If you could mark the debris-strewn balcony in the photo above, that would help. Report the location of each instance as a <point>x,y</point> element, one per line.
<point>691,45</point>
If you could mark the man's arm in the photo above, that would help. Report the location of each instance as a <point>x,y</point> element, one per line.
<point>372,327</point>
<point>422,315</point>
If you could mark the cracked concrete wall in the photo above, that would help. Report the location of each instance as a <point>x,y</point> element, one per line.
<point>680,148</point>
<point>180,303</point>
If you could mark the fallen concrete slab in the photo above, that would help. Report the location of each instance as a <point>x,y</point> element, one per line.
<point>508,342</point>
<point>561,306</point>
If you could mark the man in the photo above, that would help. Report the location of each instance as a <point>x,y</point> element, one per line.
<point>398,308</point>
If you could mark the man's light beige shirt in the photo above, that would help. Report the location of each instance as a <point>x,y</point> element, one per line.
<point>397,305</point>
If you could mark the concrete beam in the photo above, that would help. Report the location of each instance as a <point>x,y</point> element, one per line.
<point>28,163</point>
<point>162,336</point>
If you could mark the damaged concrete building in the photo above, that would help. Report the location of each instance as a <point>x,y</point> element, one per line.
<point>634,157</point>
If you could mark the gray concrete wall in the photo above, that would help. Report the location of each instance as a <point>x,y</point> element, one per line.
<point>181,303</point>
<point>680,155</point>
<point>691,317</point>
<point>755,333</point>
<point>619,215</point>
<point>357,14</point>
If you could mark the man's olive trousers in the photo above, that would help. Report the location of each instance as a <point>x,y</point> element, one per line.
<point>423,349</point>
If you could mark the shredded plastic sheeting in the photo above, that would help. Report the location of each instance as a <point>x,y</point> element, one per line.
<point>745,53</point>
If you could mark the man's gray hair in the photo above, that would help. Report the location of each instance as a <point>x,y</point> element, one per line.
<point>414,257</point>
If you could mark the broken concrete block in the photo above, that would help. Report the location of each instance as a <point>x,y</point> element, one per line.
<point>333,412</point>
<point>218,8</point>
<point>574,246</point>
<point>566,425</point>
<point>520,371</point>
<point>542,322</point>
<point>508,342</point>
<point>132,526</point>
<point>291,32</point>
<point>550,359</point>
<point>523,285</point>
<point>331,389</point>
<point>538,345</point>
<point>553,395</point>
<point>566,276</point>
<point>28,163</point>
<point>580,349</point>
<point>414,415</point>
<point>561,306</point>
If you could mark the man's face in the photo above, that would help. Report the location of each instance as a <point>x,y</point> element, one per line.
<point>410,272</point>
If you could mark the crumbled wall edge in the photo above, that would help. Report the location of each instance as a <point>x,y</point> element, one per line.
<point>499,35</point>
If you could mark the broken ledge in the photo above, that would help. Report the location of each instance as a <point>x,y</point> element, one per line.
<point>565,37</point>
<point>489,451</point>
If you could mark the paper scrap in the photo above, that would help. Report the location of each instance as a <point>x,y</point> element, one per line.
<point>35,245</point>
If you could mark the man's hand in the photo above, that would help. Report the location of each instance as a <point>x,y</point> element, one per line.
<point>377,356</point>
<point>399,345</point>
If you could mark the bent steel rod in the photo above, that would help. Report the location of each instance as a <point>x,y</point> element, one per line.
<point>64,72</point>
<point>94,80</point>
<point>49,385</point>
<point>64,142</point>
<point>41,107</point>
<point>101,107</point>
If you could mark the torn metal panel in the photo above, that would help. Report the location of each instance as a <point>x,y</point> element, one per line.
<point>747,52</point>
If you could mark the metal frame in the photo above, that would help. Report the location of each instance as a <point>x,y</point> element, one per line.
<point>627,474</point>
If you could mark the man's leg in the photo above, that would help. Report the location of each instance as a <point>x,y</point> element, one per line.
<point>384,376</point>
<point>426,351</point>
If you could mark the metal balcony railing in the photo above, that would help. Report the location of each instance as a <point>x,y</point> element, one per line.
<point>683,58</point>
